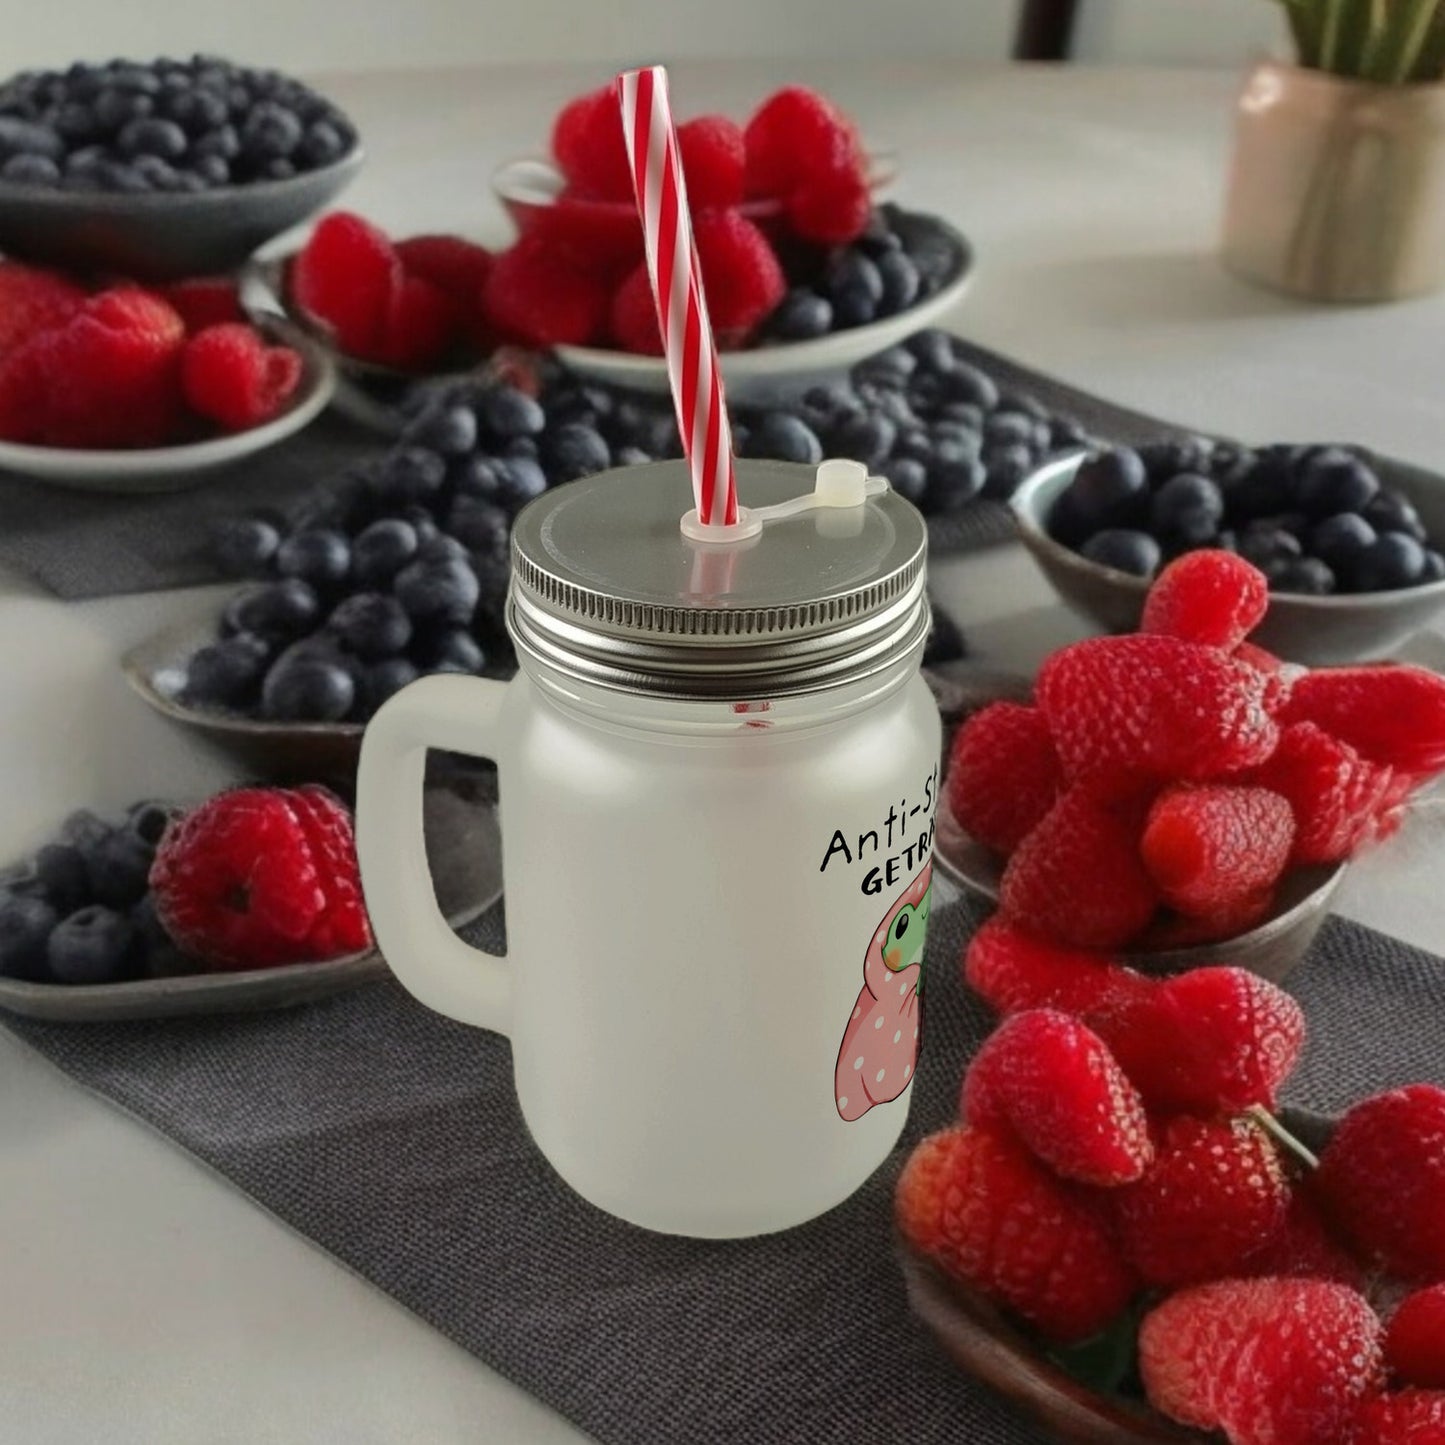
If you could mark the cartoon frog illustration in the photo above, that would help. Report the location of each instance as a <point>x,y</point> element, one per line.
<point>880,1043</point>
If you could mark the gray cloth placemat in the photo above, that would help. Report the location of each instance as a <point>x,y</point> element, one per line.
<point>89,544</point>
<point>391,1137</point>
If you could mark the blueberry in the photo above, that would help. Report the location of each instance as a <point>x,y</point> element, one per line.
<point>197,110</point>
<point>440,592</point>
<point>650,428</point>
<point>522,447</point>
<point>954,480</point>
<point>148,820</point>
<point>61,872</point>
<point>1434,569</point>
<point>223,143</point>
<point>1339,540</point>
<point>630,457</point>
<point>1066,431</point>
<point>319,556</point>
<point>1335,480</point>
<point>1110,486</point>
<point>118,868</point>
<point>278,168</point>
<point>877,239</point>
<point>1006,468</point>
<point>1391,561</point>
<point>152,136</point>
<point>933,348</point>
<point>383,679</point>
<point>322,144</point>
<point>156,956</point>
<point>968,383</point>
<point>1263,543</point>
<point>116,108</point>
<point>25,926</point>
<point>962,413</point>
<point>421,521</point>
<point>1306,576</point>
<point>480,525</point>
<point>572,450</point>
<point>890,367</point>
<point>244,546</point>
<point>307,687</point>
<point>908,477</point>
<point>210,171</point>
<point>1125,550</point>
<point>371,625</point>
<point>1009,428</point>
<point>855,288</point>
<point>952,438</point>
<point>94,945</point>
<point>453,649</point>
<point>477,476</point>
<point>519,481</point>
<point>915,443</point>
<point>507,412</point>
<point>1229,463</point>
<point>783,437</point>
<point>227,673</point>
<point>122,179</point>
<point>1165,459</point>
<point>1187,508</point>
<point>443,548</point>
<point>800,316</point>
<point>75,122</point>
<point>24,137</point>
<point>410,474</point>
<point>450,431</point>
<point>270,131</point>
<point>85,830</point>
<point>273,609</point>
<point>30,170</point>
<point>865,438</point>
<point>1392,511</point>
<point>945,640</point>
<point>901,282</point>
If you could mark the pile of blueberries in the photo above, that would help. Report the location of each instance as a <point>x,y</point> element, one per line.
<point>400,566</point>
<point>166,125</point>
<point>1315,520</point>
<point>80,911</point>
<point>902,258</point>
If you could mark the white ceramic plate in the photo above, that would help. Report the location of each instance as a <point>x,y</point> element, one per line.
<point>171,469</point>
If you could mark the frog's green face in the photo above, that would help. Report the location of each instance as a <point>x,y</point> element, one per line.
<point>904,944</point>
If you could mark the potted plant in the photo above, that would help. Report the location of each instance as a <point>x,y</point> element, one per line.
<point>1337,188</point>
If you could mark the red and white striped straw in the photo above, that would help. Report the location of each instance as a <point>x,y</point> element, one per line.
<point>687,340</point>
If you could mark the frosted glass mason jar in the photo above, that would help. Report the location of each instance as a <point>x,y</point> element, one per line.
<point>718,768</point>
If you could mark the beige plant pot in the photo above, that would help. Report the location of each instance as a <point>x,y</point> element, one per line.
<point>1337,188</point>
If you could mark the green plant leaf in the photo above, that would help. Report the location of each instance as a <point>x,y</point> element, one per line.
<point>1106,1361</point>
<point>1430,64</point>
<point>1401,40</point>
<point>1304,23</point>
<point>1360,23</point>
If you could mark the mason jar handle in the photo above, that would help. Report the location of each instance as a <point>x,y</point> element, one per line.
<point>458,714</point>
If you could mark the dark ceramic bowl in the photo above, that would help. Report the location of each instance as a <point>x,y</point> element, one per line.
<point>1313,630</point>
<point>163,236</point>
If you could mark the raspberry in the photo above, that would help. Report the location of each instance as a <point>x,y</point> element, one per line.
<point>1054,1083</point>
<point>345,277</point>
<point>589,146</point>
<point>633,318</point>
<point>740,273</point>
<point>1392,715</point>
<point>1269,1361</point>
<point>259,876</point>
<point>1304,1248</point>
<point>231,377</point>
<point>204,301</point>
<point>537,296</point>
<point>1126,710</point>
<point>1382,1177</point>
<point>1216,1040</point>
<point>108,377</point>
<point>1279,676</point>
<point>1210,597</point>
<point>1214,1194</point>
<point>1211,848</point>
<point>1077,879</point>
<point>418,326</point>
<point>1188,930</point>
<point>713,156</point>
<point>793,135</point>
<point>831,208</point>
<point>974,1201</point>
<point>1004,774</point>
<point>1415,1340</point>
<point>457,267</point>
<point>1413,1417</point>
<point>32,301</point>
<point>1011,970</point>
<point>1335,794</point>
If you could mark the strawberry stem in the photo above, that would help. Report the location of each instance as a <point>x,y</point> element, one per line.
<point>1281,1135</point>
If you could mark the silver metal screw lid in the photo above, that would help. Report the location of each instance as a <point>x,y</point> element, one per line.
<point>606,589</point>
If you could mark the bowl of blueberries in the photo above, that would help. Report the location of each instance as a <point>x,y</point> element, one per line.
<point>163,169</point>
<point>1350,542</point>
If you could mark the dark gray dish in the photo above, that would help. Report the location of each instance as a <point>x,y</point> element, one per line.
<point>163,236</point>
<point>464,852</point>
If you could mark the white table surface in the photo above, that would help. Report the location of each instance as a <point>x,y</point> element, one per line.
<point>143,1302</point>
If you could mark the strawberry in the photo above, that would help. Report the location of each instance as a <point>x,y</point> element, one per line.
<point>1392,715</point>
<point>1004,774</point>
<point>1012,970</point>
<point>1129,711</point>
<point>1215,1040</point>
<point>1214,1195</point>
<point>713,157</point>
<point>539,296</point>
<point>1382,1179</point>
<point>1415,1339</point>
<point>1268,1361</point>
<point>588,144</point>
<point>230,376</point>
<point>975,1202</point>
<point>1077,879</point>
<point>345,276</point>
<point>1336,795</point>
<point>1413,1417</point>
<point>1211,848</point>
<point>1211,597</point>
<point>32,301</point>
<point>204,301</point>
<point>1054,1083</point>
